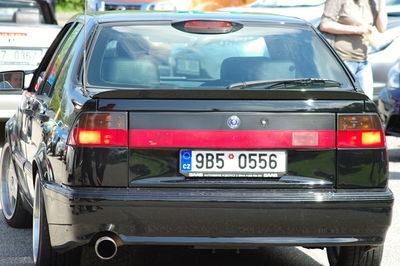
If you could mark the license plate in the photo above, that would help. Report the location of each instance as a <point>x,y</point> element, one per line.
<point>20,57</point>
<point>229,163</point>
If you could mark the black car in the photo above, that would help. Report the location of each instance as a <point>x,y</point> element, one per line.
<point>206,130</point>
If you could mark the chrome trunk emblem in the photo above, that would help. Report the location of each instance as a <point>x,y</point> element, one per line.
<point>233,121</point>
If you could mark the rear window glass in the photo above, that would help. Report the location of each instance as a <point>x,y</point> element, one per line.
<point>161,56</point>
<point>23,12</point>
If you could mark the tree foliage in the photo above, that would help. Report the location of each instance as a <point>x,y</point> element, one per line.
<point>70,5</point>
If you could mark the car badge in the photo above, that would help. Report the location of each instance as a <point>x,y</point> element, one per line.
<point>233,122</point>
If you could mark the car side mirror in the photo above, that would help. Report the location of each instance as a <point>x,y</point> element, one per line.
<point>12,80</point>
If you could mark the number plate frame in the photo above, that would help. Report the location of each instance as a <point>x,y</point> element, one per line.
<point>187,161</point>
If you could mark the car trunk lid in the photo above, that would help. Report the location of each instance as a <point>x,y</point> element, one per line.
<point>298,127</point>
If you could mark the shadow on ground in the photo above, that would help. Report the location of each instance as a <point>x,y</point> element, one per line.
<point>182,256</point>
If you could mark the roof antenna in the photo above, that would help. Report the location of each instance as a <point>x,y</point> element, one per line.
<point>84,51</point>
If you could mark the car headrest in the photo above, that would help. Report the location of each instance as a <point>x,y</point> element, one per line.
<point>129,71</point>
<point>240,69</point>
<point>27,16</point>
<point>132,46</point>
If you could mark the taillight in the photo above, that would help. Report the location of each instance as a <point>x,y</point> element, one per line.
<point>100,129</point>
<point>360,131</point>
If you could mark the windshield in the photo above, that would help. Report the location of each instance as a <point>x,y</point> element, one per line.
<point>161,56</point>
<point>289,3</point>
<point>20,12</point>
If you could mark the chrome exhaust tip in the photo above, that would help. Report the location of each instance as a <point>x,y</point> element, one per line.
<point>106,248</point>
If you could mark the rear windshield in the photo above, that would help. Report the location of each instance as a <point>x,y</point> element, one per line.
<point>20,12</point>
<point>161,56</point>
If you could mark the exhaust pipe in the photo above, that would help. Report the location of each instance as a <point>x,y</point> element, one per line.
<point>106,248</point>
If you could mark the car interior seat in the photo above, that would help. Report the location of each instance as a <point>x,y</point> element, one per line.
<point>242,69</point>
<point>126,69</point>
<point>27,16</point>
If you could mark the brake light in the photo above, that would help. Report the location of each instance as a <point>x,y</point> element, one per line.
<point>100,129</point>
<point>204,26</point>
<point>360,131</point>
<point>207,26</point>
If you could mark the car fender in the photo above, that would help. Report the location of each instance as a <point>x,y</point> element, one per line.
<point>41,164</point>
<point>8,127</point>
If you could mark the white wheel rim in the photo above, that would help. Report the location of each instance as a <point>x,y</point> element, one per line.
<point>9,186</point>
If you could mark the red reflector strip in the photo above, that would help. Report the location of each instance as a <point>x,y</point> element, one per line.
<point>13,34</point>
<point>243,139</point>
<point>361,139</point>
<point>101,137</point>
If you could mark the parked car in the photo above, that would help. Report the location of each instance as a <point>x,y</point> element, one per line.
<point>389,101</point>
<point>163,5</point>
<point>393,6</point>
<point>309,10</point>
<point>155,148</point>
<point>27,28</point>
<point>385,53</point>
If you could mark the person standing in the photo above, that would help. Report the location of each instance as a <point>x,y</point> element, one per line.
<point>349,24</point>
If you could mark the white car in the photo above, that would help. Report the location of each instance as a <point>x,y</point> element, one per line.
<point>27,28</point>
<point>309,10</point>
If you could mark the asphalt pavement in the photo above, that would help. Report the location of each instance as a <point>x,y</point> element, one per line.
<point>15,244</point>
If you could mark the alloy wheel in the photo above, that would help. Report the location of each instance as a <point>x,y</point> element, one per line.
<point>9,186</point>
<point>36,220</point>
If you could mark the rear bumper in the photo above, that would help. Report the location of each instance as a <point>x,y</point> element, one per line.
<point>218,217</point>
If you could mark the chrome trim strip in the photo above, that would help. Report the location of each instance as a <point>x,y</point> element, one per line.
<point>221,195</point>
<point>242,241</point>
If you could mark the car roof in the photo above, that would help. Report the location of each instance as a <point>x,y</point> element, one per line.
<point>126,16</point>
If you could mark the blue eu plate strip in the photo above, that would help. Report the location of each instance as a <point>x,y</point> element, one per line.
<point>186,160</point>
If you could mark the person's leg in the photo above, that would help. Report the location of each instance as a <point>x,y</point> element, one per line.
<point>363,73</point>
<point>353,66</point>
<point>364,76</point>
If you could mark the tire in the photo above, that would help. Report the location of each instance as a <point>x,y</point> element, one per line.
<point>355,256</point>
<point>12,208</point>
<point>2,132</point>
<point>43,253</point>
